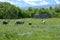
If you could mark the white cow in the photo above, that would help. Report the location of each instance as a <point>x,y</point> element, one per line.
<point>43,21</point>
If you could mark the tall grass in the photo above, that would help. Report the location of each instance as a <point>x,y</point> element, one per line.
<point>36,31</point>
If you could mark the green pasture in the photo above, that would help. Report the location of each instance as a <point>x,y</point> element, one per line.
<point>36,31</point>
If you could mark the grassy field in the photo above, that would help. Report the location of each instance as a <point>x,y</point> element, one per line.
<point>36,31</point>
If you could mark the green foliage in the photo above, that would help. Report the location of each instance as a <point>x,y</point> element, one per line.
<point>10,11</point>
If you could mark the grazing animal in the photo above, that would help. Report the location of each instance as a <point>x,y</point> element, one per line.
<point>43,21</point>
<point>5,22</point>
<point>30,23</point>
<point>19,22</point>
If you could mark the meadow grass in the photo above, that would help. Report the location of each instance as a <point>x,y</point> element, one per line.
<point>36,31</point>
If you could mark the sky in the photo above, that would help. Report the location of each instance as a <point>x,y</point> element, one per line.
<point>28,3</point>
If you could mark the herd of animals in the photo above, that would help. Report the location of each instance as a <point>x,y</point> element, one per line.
<point>22,22</point>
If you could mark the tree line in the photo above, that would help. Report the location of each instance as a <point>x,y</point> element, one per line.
<point>10,11</point>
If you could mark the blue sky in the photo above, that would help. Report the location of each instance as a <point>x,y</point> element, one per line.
<point>27,3</point>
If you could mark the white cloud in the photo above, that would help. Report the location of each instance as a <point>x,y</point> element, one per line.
<point>3,0</point>
<point>33,2</point>
<point>18,0</point>
<point>10,1</point>
<point>57,1</point>
<point>6,1</point>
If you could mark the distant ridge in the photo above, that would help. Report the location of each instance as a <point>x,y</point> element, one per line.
<point>45,6</point>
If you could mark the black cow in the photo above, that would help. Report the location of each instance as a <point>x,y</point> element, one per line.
<point>5,22</point>
<point>30,23</point>
<point>19,22</point>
